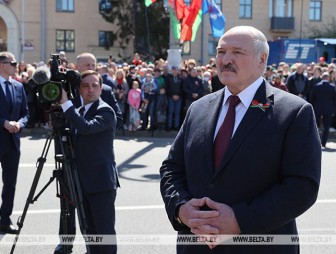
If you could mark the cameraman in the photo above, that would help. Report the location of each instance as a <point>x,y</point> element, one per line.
<point>93,126</point>
<point>84,62</point>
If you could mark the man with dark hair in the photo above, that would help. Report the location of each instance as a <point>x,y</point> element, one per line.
<point>13,117</point>
<point>84,62</point>
<point>95,124</point>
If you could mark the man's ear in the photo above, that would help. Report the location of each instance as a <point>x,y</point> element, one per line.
<point>263,59</point>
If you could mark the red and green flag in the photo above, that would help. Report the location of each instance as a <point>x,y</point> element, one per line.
<point>149,2</point>
<point>191,20</point>
<point>188,17</point>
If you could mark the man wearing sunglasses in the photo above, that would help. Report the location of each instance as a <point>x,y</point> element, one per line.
<point>13,117</point>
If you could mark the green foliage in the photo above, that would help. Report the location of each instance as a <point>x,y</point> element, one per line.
<point>129,18</point>
<point>325,30</point>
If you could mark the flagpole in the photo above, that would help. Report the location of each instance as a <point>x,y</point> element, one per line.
<point>148,39</point>
<point>202,43</point>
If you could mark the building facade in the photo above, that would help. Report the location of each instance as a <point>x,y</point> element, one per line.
<point>33,29</point>
<point>277,19</point>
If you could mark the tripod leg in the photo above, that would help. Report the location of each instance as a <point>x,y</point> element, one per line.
<point>72,181</point>
<point>30,200</point>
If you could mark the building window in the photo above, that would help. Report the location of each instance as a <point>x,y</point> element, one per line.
<point>105,39</point>
<point>65,5</point>
<point>315,9</point>
<point>245,9</point>
<point>281,8</point>
<point>212,45</point>
<point>105,6</point>
<point>186,48</point>
<point>65,40</point>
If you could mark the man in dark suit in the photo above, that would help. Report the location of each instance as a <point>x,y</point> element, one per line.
<point>94,153</point>
<point>87,61</point>
<point>84,62</point>
<point>260,182</point>
<point>323,99</point>
<point>13,117</point>
<point>107,79</point>
<point>297,83</point>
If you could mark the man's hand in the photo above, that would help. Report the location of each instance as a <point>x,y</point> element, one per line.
<point>64,96</point>
<point>191,211</point>
<point>12,126</point>
<point>225,222</point>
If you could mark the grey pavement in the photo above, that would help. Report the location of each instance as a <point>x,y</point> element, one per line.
<point>139,207</point>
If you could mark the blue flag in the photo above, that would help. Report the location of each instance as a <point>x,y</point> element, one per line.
<point>217,19</point>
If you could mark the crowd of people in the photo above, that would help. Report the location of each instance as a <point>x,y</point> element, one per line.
<point>208,180</point>
<point>156,96</point>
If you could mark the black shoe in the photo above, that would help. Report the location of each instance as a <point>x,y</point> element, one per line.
<point>10,229</point>
<point>60,249</point>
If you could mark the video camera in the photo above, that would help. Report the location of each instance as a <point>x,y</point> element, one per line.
<point>51,81</point>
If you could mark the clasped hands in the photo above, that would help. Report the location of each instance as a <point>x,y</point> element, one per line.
<point>219,220</point>
<point>12,126</point>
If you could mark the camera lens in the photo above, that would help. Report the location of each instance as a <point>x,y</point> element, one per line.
<point>51,92</point>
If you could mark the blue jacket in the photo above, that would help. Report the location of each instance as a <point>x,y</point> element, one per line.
<point>19,113</point>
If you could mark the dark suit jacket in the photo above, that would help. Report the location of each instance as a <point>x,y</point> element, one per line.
<point>93,147</point>
<point>270,173</point>
<point>108,80</point>
<point>19,113</point>
<point>323,98</point>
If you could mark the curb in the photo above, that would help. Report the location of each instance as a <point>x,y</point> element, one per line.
<point>119,133</point>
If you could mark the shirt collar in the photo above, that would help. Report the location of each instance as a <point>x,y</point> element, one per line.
<point>87,106</point>
<point>246,96</point>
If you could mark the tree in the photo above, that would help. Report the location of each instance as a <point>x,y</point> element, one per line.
<point>325,30</point>
<point>130,22</point>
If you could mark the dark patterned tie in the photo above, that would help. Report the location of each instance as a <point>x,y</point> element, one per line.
<point>224,134</point>
<point>9,94</point>
<point>81,111</point>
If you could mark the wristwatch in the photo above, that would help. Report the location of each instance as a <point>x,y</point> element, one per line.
<point>177,218</point>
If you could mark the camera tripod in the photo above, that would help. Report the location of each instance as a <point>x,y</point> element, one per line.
<point>67,182</point>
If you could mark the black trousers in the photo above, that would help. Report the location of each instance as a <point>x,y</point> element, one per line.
<point>99,212</point>
<point>100,215</point>
<point>9,158</point>
<point>326,121</point>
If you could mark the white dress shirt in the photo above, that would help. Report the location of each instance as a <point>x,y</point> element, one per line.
<point>246,96</point>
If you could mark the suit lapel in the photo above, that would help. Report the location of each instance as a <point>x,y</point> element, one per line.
<point>214,109</point>
<point>92,110</point>
<point>252,116</point>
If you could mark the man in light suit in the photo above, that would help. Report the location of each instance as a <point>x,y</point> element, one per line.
<point>94,153</point>
<point>263,181</point>
<point>13,117</point>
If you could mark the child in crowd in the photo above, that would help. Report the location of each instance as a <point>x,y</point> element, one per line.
<point>149,89</point>
<point>134,100</point>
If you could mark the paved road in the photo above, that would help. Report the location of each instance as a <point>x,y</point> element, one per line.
<point>139,205</point>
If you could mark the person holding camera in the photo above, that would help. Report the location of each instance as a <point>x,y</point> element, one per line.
<point>93,128</point>
<point>86,61</point>
<point>13,117</point>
